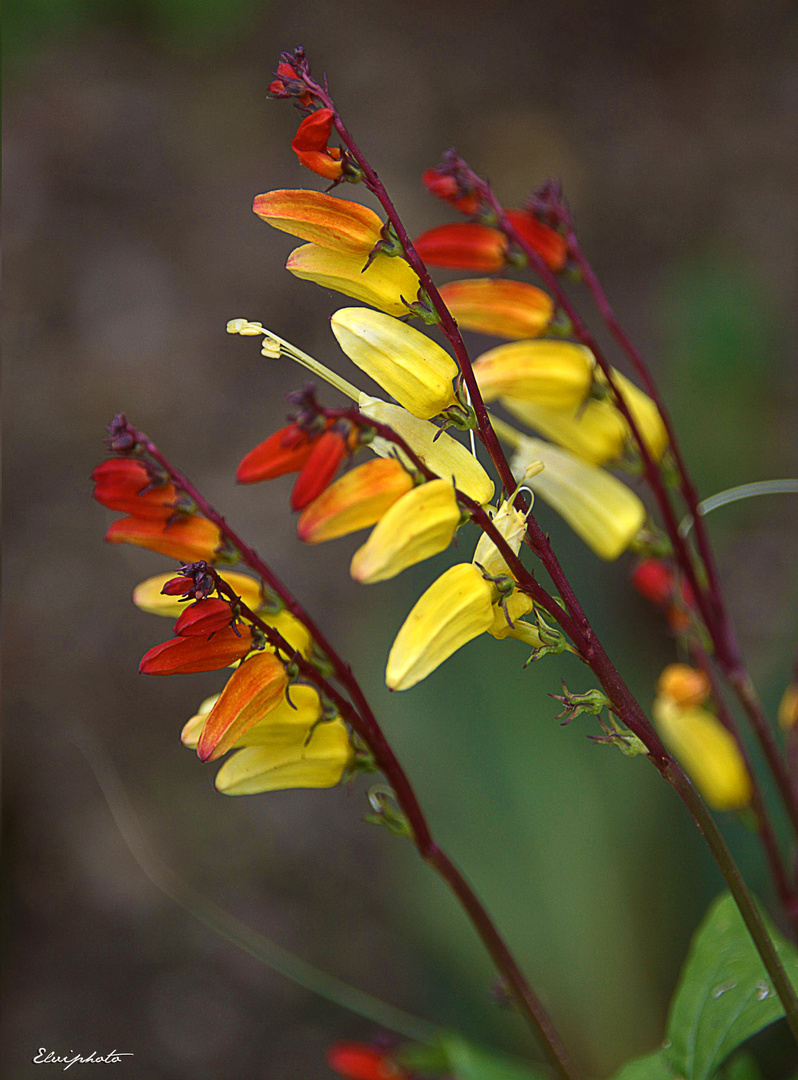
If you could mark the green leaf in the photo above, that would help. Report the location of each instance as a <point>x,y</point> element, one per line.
<point>724,994</point>
<point>469,1062</point>
<point>651,1067</point>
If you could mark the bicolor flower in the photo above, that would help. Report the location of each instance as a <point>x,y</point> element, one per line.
<point>186,655</point>
<point>337,224</point>
<point>124,484</point>
<point>254,689</point>
<point>148,595</point>
<point>421,524</point>
<point>557,374</point>
<point>509,309</point>
<point>355,501</point>
<point>412,367</point>
<point>188,538</point>
<point>454,609</point>
<point>597,506</point>
<point>386,284</point>
<point>706,751</point>
<point>300,705</point>
<point>310,145</point>
<point>442,454</point>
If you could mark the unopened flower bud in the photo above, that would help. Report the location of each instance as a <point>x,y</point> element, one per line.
<point>124,484</point>
<point>324,460</point>
<point>653,579</point>
<point>463,246</point>
<point>557,374</point>
<point>187,538</point>
<point>455,609</point>
<point>355,501</point>
<point>204,617</point>
<point>285,450</point>
<point>421,524</point>
<point>310,145</point>
<point>338,224</point>
<point>150,595</point>
<point>409,365</point>
<point>385,284</point>
<point>547,242</point>
<point>684,685</point>
<point>509,309</point>
<point>185,655</point>
<point>595,431</point>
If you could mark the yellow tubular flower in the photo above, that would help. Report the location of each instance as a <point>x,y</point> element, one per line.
<point>508,309</point>
<point>706,751</point>
<point>148,597</point>
<point>290,756</point>
<point>252,691</point>
<point>517,605</point>
<point>192,729</point>
<point>409,365</point>
<point>441,453</point>
<point>595,431</point>
<point>511,524</point>
<point>383,285</point>
<point>557,374</point>
<point>453,610</point>
<point>421,524</point>
<point>644,412</point>
<point>355,501</point>
<point>337,224</point>
<point>597,506</point>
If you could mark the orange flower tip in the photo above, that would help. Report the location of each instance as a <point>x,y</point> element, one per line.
<point>327,453</point>
<point>463,246</point>
<point>204,617</point>
<point>334,223</point>
<point>286,450</point>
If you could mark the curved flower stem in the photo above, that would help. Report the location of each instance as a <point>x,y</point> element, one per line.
<point>363,721</point>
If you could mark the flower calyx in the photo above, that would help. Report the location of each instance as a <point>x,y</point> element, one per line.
<point>592,701</point>
<point>385,811</point>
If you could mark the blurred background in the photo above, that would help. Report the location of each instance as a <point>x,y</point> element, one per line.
<point>136,134</point>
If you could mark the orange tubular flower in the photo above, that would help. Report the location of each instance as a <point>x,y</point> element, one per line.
<point>285,451</point>
<point>310,145</point>
<point>203,618</point>
<point>357,500</point>
<point>508,309</point>
<point>124,484</point>
<point>547,242</point>
<point>252,692</point>
<point>190,538</point>
<point>463,246</point>
<point>186,655</point>
<point>328,451</point>
<point>338,224</point>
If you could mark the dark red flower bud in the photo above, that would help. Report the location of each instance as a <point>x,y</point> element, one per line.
<point>288,84</point>
<point>185,655</point>
<point>178,586</point>
<point>653,579</point>
<point>124,484</point>
<point>328,451</point>
<point>547,242</point>
<point>203,618</point>
<point>359,1061</point>
<point>445,186</point>
<point>285,451</point>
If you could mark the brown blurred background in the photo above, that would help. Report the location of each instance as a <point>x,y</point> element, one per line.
<point>137,133</point>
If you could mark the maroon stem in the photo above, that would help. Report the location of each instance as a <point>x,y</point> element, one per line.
<point>364,722</point>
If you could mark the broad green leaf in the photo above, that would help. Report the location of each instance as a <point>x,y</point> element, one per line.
<point>742,1067</point>
<point>724,994</point>
<point>469,1062</point>
<point>651,1067</point>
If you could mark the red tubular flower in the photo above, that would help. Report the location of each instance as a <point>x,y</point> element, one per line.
<point>285,451</point>
<point>547,242</point>
<point>185,655</point>
<point>124,484</point>
<point>189,538</point>
<point>310,145</point>
<point>328,451</point>
<point>446,187</point>
<point>463,246</point>
<point>653,579</point>
<point>203,618</point>
<point>359,1061</point>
